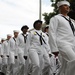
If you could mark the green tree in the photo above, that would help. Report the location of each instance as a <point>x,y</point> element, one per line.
<point>47,16</point>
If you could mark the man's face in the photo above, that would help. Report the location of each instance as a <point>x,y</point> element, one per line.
<point>64,8</point>
<point>25,30</point>
<point>16,34</point>
<point>47,29</point>
<point>8,37</point>
<point>38,26</point>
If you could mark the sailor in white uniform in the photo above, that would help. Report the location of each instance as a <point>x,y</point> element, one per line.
<point>23,53</point>
<point>13,53</point>
<point>38,48</point>
<point>52,56</point>
<point>46,30</point>
<point>1,54</point>
<point>5,54</point>
<point>61,36</point>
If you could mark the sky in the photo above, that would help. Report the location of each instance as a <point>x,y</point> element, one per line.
<point>16,13</point>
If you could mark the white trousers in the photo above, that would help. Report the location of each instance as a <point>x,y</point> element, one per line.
<point>4,64</point>
<point>26,65</point>
<point>46,68</point>
<point>70,69</point>
<point>21,66</point>
<point>68,55</point>
<point>34,57</point>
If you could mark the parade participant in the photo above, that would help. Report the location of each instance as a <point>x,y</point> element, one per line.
<point>46,30</point>
<point>1,48</point>
<point>38,48</point>
<point>4,58</point>
<point>5,53</point>
<point>1,55</point>
<point>5,45</point>
<point>53,64</point>
<point>23,53</point>
<point>13,53</point>
<point>61,36</point>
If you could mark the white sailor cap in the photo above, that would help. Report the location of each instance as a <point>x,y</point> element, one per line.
<point>62,3</point>
<point>9,35</point>
<point>16,31</point>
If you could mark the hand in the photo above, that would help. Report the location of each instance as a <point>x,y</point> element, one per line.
<point>54,73</point>
<point>7,55</point>
<point>50,55</point>
<point>25,57</point>
<point>15,57</point>
<point>55,53</point>
<point>1,56</point>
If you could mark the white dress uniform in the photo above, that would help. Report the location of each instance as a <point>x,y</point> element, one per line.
<point>22,41</point>
<point>5,58</point>
<point>1,53</point>
<point>53,64</point>
<point>58,65</point>
<point>46,70</point>
<point>38,51</point>
<point>13,47</point>
<point>62,39</point>
<point>1,49</point>
<point>52,60</point>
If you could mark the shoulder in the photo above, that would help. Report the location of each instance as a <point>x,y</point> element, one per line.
<point>5,42</point>
<point>56,16</point>
<point>72,20</point>
<point>56,19</point>
<point>32,32</point>
<point>11,39</point>
<point>19,35</point>
<point>44,35</point>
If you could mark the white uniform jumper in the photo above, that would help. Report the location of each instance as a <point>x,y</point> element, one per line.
<point>62,40</point>
<point>38,51</point>
<point>5,54</point>
<point>1,53</point>
<point>13,47</point>
<point>22,41</point>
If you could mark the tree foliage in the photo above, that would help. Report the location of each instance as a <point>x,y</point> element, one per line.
<point>47,16</point>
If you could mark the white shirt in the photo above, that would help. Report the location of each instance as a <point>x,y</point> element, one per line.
<point>1,49</point>
<point>60,33</point>
<point>21,43</point>
<point>5,48</point>
<point>35,42</point>
<point>13,47</point>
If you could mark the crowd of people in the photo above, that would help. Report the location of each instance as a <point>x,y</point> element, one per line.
<point>41,53</point>
<point>28,52</point>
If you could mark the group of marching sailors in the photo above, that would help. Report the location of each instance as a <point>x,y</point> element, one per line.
<point>35,52</point>
<point>28,53</point>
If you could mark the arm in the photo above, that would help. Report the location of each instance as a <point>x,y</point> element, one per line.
<point>27,46</point>
<point>1,51</point>
<point>52,35</point>
<point>47,46</point>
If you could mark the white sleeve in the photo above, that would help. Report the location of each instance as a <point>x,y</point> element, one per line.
<point>9,45</point>
<point>6,49</point>
<point>18,44</point>
<point>27,44</point>
<point>1,50</point>
<point>47,46</point>
<point>52,34</point>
